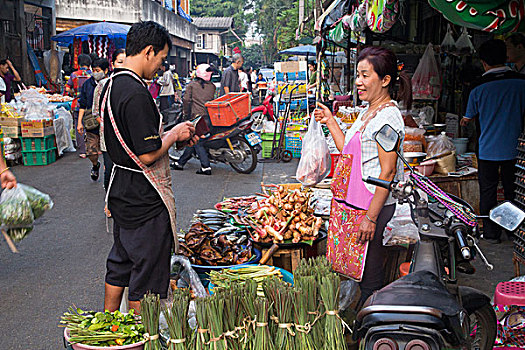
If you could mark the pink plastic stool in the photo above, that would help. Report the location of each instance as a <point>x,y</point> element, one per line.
<point>510,293</point>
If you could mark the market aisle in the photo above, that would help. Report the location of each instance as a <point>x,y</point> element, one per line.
<point>62,262</point>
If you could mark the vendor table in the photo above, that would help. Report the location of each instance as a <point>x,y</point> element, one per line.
<point>465,187</point>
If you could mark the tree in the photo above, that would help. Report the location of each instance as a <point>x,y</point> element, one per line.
<point>253,56</point>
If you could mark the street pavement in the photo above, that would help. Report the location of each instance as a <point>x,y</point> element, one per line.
<point>62,262</point>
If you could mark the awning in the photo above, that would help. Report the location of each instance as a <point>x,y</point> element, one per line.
<point>495,16</point>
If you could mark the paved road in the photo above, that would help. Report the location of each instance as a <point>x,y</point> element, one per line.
<point>62,262</point>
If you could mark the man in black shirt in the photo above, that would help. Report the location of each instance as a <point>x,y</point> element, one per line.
<point>230,79</point>
<point>139,196</point>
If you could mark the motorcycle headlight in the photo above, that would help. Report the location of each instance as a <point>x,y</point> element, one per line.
<point>417,344</point>
<point>385,344</point>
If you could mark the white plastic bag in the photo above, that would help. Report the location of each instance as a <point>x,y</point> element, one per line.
<point>464,45</point>
<point>401,229</point>
<point>315,156</point>
<point>426,82</point>
<point>448,43</point>
<point>63,124</point>
<point>16,214</point>
<point>439,144</point>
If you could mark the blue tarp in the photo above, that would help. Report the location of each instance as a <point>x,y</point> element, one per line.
<point>304,50</point>
<point>109,29</point>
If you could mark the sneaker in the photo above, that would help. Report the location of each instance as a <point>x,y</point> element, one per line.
<point>94,171</point>
<point>176,166</point>
<point>204,171</point>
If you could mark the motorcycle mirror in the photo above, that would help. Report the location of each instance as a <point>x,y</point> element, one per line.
<point>387,138</point>
<point>507,215</point>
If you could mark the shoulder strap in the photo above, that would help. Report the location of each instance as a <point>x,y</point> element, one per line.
<point>369,118</point>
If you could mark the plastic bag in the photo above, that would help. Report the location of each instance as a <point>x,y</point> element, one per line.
<point>401,229</point>
<point>448,43</point>
<point>63,124</point>
<point>16,214</point>
<point>426,82</point>
<point>315,156</point>
<point>439,144</point>
<point>39,201</point>
<point>414,140</point>
<point>464,45</point>
<point>188,274</point>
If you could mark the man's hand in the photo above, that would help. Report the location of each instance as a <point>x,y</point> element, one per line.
<point>464,121</point>
<point>80,128</point>
<point>183,131</point>
<point>367,230</point>
<point>322,114</point>
<point>8,180</point>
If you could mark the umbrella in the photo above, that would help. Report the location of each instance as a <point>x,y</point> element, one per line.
<point>304,50</point>
<point>109,29</point>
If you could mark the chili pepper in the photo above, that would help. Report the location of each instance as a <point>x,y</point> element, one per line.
<point>114,328</point>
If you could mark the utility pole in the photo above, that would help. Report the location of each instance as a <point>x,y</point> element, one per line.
<point>301,14</point>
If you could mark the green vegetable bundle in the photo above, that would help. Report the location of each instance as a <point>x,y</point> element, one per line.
<point>102,329</point>
<point>177,320</point>
<point>334,339</point>
<point>282,298</point>
<point>150,312</point>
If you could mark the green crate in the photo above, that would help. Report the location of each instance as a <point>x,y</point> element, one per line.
<point>38,143</point>
<point>39,157</point>
<point>267,142</point>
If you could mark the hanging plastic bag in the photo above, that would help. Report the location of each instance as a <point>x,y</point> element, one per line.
<point>39,201</point>
<point>358,19</point>
<point>426,82</point>
<point>16,214</point>
<point>464,45</point>
<point>339,33</point>
<point>448,43</point>
<point>315,156</point>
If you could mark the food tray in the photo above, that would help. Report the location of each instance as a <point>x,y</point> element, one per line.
<point>136,346</point>
<point>322,236</point>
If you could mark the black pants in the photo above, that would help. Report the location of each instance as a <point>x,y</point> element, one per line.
<point>201,151</point>
<point>164,102</point>
<point>488,178</point>
<point>374,274</point>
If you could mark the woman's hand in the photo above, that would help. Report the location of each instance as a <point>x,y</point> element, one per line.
<point>8,180</point>
<point>366,231</point>
<point>322,114</point>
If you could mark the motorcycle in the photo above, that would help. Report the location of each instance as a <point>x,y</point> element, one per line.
<point>236,145</point>
<point>427,309</point>
<point>264,112</point>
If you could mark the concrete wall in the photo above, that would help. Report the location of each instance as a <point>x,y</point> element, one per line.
<point>120,11</point>
<point>176,25</point>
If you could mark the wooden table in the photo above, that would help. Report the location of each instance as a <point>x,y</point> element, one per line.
<point>465,187</point>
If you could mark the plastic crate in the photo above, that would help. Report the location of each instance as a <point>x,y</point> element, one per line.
<point>39,157</point>
<point>294,105</point>
<point>294,144</point>
<point>229,109</point>
<point>38,143</point>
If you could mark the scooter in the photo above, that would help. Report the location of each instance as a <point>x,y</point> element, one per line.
<point>427,309</point>
<point>264,112</point>
<point>236,145</point>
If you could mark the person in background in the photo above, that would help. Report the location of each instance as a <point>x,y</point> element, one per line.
<point>253,77</point>
<point>167,92</point>
<point>100,70</point>
<point>498,104</point>
<point>230,78</point>
<point>312,82</point>
<point>75,82</point>
<point>356,202</point>
<point>117,61</point>
<point>260,78</point>
<point>176,83</point>
<point>244,80</point>
<point>8,78</point>
<point>516,51</point>
<point>198,92</point>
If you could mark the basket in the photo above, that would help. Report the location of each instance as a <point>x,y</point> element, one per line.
<point>38,143</point>
<point>267,144</point>
<point>229,109</point>
<point>78,346</point>
<point>39,157</point>
<point>294,144</point>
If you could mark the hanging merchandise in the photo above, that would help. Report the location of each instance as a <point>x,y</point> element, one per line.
<point>426,82</point>
<point>77,50</point>
<point>381,14</point>
<point>339,34</point>
<point>448,43</point>
<point>464,45</point>
<point>495,16</point>
<point>358,18</point>
<point>315,156</point>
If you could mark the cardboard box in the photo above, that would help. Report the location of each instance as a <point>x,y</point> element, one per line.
<point>5,121</point>
<point>11,131</point>
<point>38,128</point>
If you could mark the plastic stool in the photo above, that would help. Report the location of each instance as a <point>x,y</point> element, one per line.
<point>404,269</point>
<point>510,293</point>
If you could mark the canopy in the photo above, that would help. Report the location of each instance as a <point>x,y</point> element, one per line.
<point>109,29</point>
<point>305,50</point>
<point>495,16</point>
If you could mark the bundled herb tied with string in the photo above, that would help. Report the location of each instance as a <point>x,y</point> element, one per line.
<point>202,335</point>
<point>150,312</point>
<point>177,320</point>
<point>306,315</point>
<point>215,311</point>
<point>250,314</point>
<point>263,339</point>
<point>333,330</point>
<point>282,298</point>
<point>232,316</point>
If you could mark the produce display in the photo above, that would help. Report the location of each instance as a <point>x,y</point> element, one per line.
<point>233,204</point>
<point>58,98</point>
<point>103,329</point>
<point>212,240</point>
<point>177,320</point>
<point>228,277</point>
<point>283,216</point>
<point>150,313</point>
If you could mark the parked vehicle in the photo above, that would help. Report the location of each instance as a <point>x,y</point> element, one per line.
<point>428,309</point>
<point>264,112</point>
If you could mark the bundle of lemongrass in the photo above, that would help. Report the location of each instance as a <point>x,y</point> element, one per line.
<point>177,320</point>
<point>150,313</point>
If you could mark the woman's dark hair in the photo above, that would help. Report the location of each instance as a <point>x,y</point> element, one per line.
<point>84,60</point>
<point>143,34</point>
<point>116,53</point>
<point>517,39</point>
<point>384,62</point>
<point>493,52</point>
<point>102,63</point>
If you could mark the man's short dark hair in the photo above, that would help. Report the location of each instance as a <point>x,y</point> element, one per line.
<point>237,57</point>
<point>84,60</point>
<point>101,63</point>
<point>517,39</point>
<point>3,62</point>
<point>143,34</point>
<point>493,52</point>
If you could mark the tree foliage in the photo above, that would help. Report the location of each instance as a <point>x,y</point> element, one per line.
<point>253,56</point>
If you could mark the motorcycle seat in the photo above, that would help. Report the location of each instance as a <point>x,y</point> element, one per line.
<point>422,289</point>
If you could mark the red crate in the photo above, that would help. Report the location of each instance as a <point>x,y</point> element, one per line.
<point>229,109</point>
<point>335,158</point>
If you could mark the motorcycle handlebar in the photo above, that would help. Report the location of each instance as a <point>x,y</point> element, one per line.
<point>378,182</point>
<point>465,250</point>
